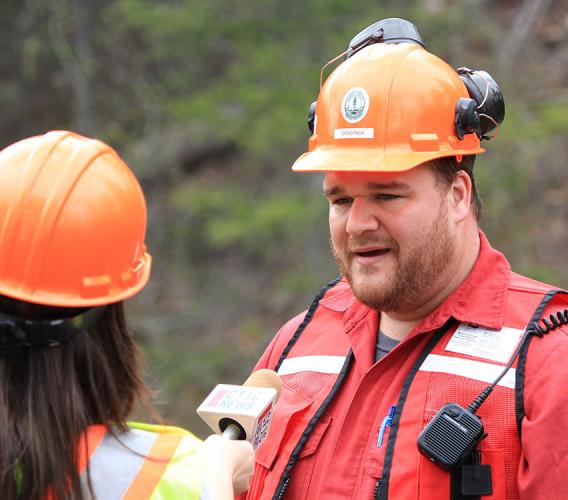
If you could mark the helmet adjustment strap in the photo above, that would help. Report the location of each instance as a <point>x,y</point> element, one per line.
<point>19,332</point>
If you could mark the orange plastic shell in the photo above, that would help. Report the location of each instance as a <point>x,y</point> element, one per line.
<point>72,223</point>
<point>409,118</point>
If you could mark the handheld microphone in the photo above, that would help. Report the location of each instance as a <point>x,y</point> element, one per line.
<point>243,412</point>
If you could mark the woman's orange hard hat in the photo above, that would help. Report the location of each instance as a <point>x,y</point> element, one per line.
<point>72,223</point>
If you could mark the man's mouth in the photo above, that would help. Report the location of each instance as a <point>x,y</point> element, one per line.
<point>369,253</point>
<point>372,253</point>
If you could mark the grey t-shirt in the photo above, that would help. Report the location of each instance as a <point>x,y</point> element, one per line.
<point>385,345</point>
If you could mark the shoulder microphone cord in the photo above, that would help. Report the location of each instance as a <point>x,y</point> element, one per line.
<point>454,432</point>
<point>534,328</point>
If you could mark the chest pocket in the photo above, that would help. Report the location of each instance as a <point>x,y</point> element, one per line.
<point>300,390</point>
<point>296,429</point>
<point>500,449</point>
<point>288,413</point>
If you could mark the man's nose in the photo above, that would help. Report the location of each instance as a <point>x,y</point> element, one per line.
<point>361,217</point>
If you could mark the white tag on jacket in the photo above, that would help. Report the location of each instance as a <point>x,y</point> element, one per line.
<point>496,345</point>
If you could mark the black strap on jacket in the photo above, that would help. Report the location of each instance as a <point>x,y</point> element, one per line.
<point>285,478</point>
<point>307,318</point>
<point>538,331</point>
<point>381,490</point>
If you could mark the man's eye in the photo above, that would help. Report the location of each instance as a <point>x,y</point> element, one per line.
<point>385,196</point>
<point>341,201</point>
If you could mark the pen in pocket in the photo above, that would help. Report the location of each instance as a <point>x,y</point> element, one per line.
<point>386,423</point>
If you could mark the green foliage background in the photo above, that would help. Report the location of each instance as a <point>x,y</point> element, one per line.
<point>207,101</point>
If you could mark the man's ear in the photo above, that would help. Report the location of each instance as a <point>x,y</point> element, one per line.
<point>460,196</point>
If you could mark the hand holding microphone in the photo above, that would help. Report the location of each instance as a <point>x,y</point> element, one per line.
<point>229,467</point>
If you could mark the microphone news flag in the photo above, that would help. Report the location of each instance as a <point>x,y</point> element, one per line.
<point>243,411</point>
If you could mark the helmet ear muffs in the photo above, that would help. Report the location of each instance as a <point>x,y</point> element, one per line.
<point>312,117</point>
<point>467,118</point>
<point>490,105</point>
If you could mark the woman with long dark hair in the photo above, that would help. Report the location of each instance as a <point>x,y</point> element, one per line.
<point>72,230</point>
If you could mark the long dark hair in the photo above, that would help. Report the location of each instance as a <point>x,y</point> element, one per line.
<point>49,396</point>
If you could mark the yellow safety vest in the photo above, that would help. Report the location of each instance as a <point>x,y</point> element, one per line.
<point>146,462</point>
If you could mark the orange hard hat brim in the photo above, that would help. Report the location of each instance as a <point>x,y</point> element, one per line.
<point>365,159</point>
<point>46,297</point>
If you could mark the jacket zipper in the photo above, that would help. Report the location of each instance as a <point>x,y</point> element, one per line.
<point>283,489</point>
<point>378,488</point>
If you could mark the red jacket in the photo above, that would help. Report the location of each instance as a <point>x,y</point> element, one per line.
<point>333,388</point>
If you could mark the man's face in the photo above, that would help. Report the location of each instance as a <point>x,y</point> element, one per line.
<point>391,235</point>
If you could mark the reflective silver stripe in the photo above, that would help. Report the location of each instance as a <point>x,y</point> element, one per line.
<point>114,465</point>
<point>476,370</point>
<point>321,364</point>
<point>205,494</point>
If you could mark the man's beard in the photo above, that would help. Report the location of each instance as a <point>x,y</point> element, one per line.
<point>414,278</point>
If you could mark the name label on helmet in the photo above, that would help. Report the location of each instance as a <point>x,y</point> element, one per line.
<point>355,105</point>
<point>354,133</point>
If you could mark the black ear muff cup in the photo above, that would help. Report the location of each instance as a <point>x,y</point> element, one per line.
<point>467,118</point>
<point>312,117</point>
<point>483,89</point>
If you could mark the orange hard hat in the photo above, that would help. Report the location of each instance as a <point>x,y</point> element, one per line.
<point>72,223</point>
<point>387,108</point>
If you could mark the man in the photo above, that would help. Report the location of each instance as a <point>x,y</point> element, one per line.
<point>426,313</point>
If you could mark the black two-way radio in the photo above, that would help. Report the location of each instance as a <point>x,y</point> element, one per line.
<point>451,436</point>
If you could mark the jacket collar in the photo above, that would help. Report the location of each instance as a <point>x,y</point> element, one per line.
<point>479,300</point>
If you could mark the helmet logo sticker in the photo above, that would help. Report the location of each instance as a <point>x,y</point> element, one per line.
<point>355,105</point>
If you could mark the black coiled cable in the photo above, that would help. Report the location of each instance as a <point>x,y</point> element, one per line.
<point>543,326</point>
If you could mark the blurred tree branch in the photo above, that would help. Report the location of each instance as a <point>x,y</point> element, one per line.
<point>523,26</point>
<point>75,64</point>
